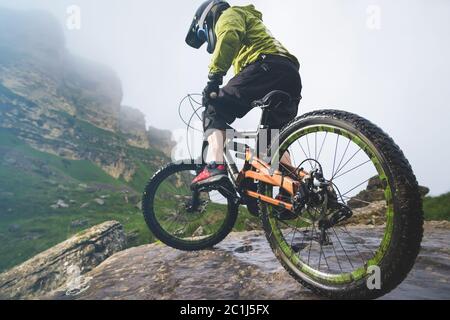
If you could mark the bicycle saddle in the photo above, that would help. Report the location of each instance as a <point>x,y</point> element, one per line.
<point>273,100</point>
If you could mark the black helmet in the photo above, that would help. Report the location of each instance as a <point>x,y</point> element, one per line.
<point>202,28</point>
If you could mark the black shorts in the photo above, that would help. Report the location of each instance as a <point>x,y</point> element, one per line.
<point>253,83</point>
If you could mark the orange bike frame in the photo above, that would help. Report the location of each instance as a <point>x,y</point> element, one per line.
<point>261,171</point>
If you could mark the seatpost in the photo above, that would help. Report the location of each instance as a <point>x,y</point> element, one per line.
<point>263,126</point>
<point>264,119</point>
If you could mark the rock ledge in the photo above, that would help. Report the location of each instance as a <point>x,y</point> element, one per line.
<point>55,267</point>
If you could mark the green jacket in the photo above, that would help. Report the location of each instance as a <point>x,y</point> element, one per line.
<point>241,38</point>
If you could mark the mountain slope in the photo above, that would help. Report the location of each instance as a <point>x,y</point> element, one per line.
<point>71,155</point>
<point>45,199</point>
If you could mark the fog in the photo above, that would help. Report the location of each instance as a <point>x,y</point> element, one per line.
<point>385,60</point>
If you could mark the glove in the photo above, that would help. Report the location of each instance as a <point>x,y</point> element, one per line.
<point>214,83</point>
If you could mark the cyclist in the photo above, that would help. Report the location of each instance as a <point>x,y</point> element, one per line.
<point>237,36</point>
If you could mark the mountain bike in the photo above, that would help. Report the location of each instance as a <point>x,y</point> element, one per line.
<point>306,207</point>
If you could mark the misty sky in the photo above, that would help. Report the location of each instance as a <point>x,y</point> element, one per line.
<point>395,72</point>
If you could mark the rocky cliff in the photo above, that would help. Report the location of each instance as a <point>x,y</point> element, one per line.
<point>132,124</point>
<point>35,65</point>
<point>63,104</point>
<point>62,264</point>
<point>71,155</point>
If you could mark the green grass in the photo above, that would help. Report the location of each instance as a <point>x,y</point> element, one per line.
<point>81,170</point>
<point>437,208</point>
<point>37,234</point>
<point>142,176</point>
<point>39,227</point>
<point>36,180</point>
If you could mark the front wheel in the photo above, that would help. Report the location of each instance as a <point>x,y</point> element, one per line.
<point>183,219</point>
<point>364,242</point>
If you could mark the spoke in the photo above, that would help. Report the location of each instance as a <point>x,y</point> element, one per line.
<point>287,169</point>
<point>343,156</point>
<point>184,227</point>
<point>321,148</point>
<point>176,219</point>
<point>309,149</point>
<point>345,252</point>
<point>344,229</point>
<point>303,238</point>
<point>287,225</point>
<point>310,242</point>
<point>354,155</point>
<point>293,237</point>
<point>354,168</point>
<point>290,227</point>
<point>293,159</point>
<point>305,220</point>
<point>303,241</point>
<point>321,246</point>
<point>312,168</point>
<point>309,152</point>
<point>356,199</point>
<point>354,243</point>
<point>320,255</point>
<point>324,256</point>
<point>359,185</point>
<point>335,154</point>
<point>337,257</point>
<point>315,148</point>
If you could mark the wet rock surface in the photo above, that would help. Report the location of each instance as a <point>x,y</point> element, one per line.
<point>241,267</point>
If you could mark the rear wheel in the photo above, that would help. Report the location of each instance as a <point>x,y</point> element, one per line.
<point>181,218</point>
<point>371,178</point>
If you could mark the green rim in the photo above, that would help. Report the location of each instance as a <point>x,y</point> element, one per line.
<point>288,252</point>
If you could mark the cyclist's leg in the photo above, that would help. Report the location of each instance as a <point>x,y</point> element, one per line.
<point>216,139</point>
<point>214,125</point>
<point>286,77</point>
<point>234,101</point>
<point>235,98</point>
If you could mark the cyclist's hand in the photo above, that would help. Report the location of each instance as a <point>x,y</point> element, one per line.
<point>214,83</point>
